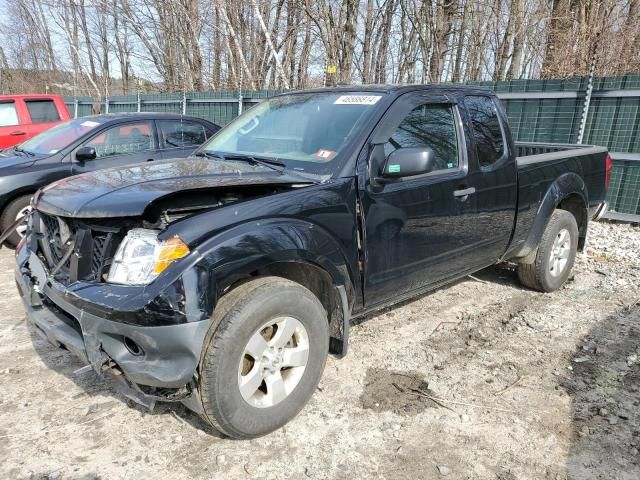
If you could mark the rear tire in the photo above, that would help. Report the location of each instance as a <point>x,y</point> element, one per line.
<point>555,256</point>
<point>263,356</point>
<point>16,208</point>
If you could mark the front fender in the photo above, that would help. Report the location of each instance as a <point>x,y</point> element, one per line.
<point>246,248</point>
<point>565,185</point>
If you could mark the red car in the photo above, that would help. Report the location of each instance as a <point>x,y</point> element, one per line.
<point>25,116</point>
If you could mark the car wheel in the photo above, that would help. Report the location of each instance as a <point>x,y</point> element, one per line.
<point>556,254</point>
<point>263,356</point>
<point>18,208</point>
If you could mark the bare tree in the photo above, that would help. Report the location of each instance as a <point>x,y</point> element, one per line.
<point>101,46</point>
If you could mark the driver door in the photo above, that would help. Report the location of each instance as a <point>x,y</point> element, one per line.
<point>419,229</point>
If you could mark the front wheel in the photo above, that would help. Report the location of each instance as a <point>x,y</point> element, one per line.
<point>556,254</point>
<point>263,356</point>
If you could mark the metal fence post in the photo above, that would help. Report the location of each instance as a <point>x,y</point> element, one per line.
<point>106,104</point>
<point>585,110</point>
<point>240,103</point>
<point>75,107</point>
<point>587,100</point>
<point>138,101</point>
<point>184,103</point>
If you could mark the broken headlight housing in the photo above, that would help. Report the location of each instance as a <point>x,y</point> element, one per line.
<point>141,257</point>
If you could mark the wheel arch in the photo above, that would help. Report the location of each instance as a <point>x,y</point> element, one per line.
<point>577,206</point>
<point>568,192</point>
<point>298,251</point>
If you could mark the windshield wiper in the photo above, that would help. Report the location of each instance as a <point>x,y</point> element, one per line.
<point>271,163</point>
<point>20,150</point>
<point>205,154</point>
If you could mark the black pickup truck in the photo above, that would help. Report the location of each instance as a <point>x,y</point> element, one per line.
<point>225,279</point>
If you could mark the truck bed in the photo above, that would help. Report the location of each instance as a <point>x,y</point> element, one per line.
<point>526,150</point>
<point>541,164</point>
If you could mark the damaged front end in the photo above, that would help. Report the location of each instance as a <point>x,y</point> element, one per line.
<point>146,337</point>
<point>76,267</point>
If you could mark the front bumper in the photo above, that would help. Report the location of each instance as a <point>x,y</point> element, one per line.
<point>164,361</point>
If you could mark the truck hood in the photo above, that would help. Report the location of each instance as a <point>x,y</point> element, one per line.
<point>127,191</point>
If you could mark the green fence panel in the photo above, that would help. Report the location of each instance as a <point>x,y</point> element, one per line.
<point>614,123</point>
<point>220,113</point>
<point>624,190</point>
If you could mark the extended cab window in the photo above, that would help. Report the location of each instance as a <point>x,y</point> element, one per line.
<point>42,111</point>
<point>430,125</point>
<point>487,132</point>
<point>123,139</point>
<point>176,133</point>
<point>8,114</point>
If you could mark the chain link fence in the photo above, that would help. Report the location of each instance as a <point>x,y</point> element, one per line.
<point>538,110</point>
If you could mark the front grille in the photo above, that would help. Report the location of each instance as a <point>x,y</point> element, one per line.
<point>93,248</point>
<point>101,254</point>
<point>52,237</point>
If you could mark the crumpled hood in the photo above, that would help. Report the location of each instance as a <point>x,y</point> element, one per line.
<point>126,191</point>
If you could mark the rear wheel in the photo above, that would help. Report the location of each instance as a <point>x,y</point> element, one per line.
<point>18,208</point>
<point>263,356</point>
<point>556,254</point>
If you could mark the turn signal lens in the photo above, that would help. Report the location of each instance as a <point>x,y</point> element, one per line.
<point>171,250</point>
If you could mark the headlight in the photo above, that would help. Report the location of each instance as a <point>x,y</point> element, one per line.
<point>141,257</point>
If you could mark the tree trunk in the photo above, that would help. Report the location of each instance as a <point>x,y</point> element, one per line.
<point>518,40</point>
<point>461,42</point>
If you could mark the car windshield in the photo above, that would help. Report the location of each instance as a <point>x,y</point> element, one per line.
<point>55,139</point>
<point>306,132</point>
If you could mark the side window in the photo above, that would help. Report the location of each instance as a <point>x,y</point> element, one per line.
<point>42,111</point>
<point>485,125</point>
<point>8,114</point>
<point>431,125</point>
<point>123,139</point>
<point>176,133</point>
<point>210,132</point>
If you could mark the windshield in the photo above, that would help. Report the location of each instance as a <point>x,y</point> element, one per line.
<point>53,140</point>
<point>306,132</point>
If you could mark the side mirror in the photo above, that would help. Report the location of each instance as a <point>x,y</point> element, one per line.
<point>408,162</point>
<point>86,153</point>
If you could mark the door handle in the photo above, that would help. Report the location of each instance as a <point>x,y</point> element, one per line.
<point>462,194</point>
<point>149,159</point>
<point>17,133</point>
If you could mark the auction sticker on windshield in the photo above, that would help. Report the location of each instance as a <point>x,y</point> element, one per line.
<point>324,154</point>
<point>357,100</point>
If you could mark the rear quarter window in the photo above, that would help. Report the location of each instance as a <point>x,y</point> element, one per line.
<point>486,129</point>
<point>42,111</point>
<point>8,114</point>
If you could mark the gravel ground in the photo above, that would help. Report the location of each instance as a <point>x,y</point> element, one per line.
<point>480,380</point>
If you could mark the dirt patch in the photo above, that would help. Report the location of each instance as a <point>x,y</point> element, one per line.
<point>403,393</point>
<point>606,399</point>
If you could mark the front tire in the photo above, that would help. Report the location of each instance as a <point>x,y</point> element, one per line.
<point>263,356</point>
<point>556,254</point>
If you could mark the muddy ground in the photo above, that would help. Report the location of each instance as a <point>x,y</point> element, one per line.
<point>480,380</point>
